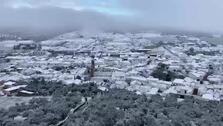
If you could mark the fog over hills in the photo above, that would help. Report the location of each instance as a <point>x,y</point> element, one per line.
<point>55,16</point>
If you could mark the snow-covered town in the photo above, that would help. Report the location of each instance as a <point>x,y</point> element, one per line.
<point>111,63</point>
<point>146,63</point>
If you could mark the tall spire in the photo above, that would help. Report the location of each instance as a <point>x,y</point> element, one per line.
<point>92,66</point>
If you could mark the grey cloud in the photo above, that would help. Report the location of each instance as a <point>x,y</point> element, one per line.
<point>53,20</point>
<point>54,15</point>
<point>202,15</point>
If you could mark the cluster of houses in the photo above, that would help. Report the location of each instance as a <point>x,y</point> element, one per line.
<point>124,61</point>
<point>9,37</point>
<point>11,88</point>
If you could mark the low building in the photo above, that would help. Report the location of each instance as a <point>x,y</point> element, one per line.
<point>25,93</point>
<point>179,82</point>
<point>14,90</point>
<point>117,75</point>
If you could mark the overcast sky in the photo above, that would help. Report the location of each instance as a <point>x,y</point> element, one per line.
<point>94,15</point>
